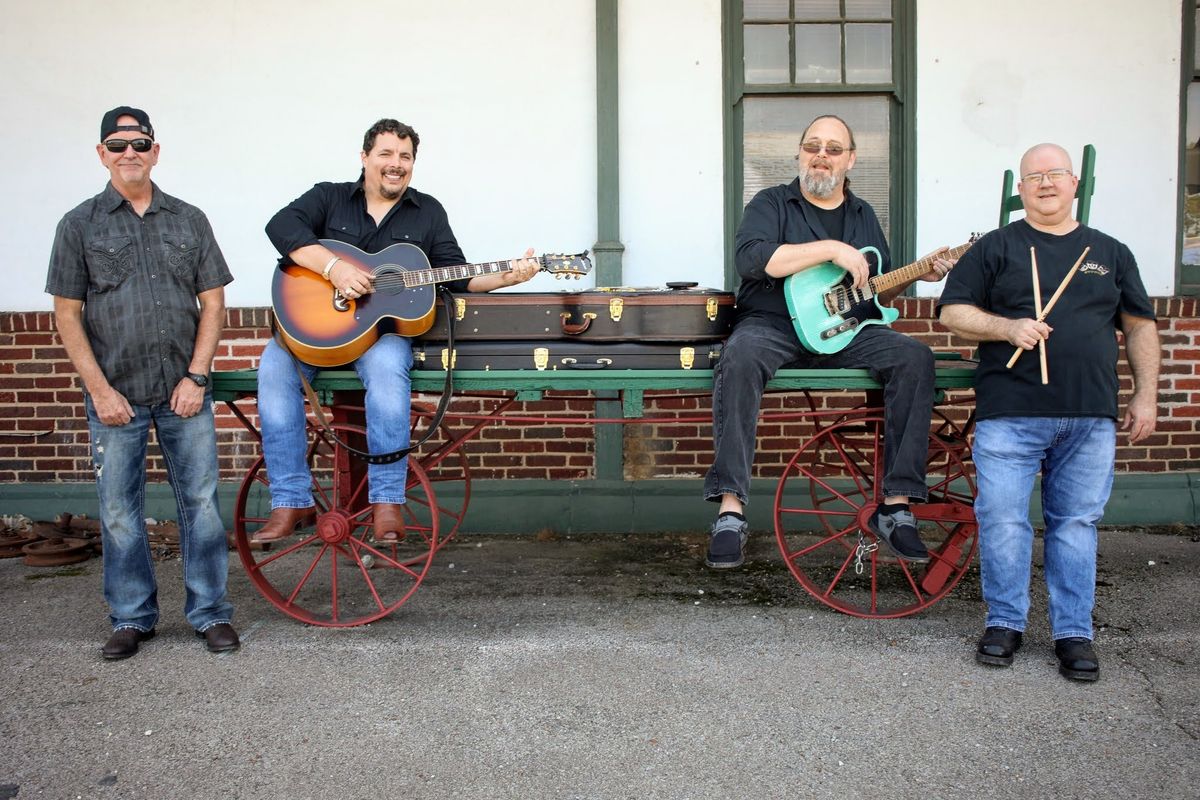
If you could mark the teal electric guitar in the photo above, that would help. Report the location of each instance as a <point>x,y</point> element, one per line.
<point>827,313</point>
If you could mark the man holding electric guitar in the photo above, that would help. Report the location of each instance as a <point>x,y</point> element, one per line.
<point>810,226</point>
<point>325,238</point>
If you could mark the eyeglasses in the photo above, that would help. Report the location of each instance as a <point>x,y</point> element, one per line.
<point>1055,176</point>
<point>831,148</point>
<point>120,145</point>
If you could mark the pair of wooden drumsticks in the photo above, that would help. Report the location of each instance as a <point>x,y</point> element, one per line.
<point>1043,312</point>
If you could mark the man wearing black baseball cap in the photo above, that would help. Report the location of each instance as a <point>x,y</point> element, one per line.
<point>111,123</point>
<point>139,302</point>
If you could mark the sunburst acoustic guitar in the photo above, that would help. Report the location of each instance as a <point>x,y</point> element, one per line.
<point>325,329</point>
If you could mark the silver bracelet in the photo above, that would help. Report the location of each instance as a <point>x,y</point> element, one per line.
<point>329,266</point>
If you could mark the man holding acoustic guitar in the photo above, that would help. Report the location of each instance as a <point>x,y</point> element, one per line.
<point>358,262</point>
<point>810,227</point>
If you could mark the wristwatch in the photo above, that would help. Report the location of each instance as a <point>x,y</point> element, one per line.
<point>196,378</point>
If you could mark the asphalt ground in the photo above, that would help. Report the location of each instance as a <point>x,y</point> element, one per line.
<point>603,667</point>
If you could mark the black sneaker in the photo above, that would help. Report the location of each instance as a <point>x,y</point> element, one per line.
<point>898,531</point>
<point>1077,659</point>
<point>727,543</point>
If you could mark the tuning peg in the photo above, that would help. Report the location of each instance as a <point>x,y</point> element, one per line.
<point>558,276</point>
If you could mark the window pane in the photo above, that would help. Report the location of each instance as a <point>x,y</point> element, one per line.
<point>868,53</point>
<point>1196,57</point>
<point>765,9</point>
<point>1191,178</point>
<point>818,9</point>
<point>771,139</point>
<point>818,54</point>
<point>766,53</point>
<point>868,9</point>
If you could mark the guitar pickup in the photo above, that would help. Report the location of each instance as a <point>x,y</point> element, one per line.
<point>846,325</point>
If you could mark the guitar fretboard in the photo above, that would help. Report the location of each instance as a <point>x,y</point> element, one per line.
<point>898,277</point>
<point>424,277</point>
<point>842,298</point>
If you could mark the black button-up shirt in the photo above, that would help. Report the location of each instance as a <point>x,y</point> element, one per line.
<point>780,215</point>
<point>138,278</point>
<point>339,211</point>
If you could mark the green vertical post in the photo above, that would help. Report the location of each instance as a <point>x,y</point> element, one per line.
<point>610,456</point>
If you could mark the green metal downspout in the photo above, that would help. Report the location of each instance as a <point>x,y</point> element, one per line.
<point>731,120</point>
<point>608,248</point>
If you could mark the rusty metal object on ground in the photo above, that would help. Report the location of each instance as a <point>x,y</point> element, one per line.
<point>11,542</point>
<point>56,552</point>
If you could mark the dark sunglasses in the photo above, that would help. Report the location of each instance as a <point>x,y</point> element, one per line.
<point>831,148</point>
<point>138,145</point>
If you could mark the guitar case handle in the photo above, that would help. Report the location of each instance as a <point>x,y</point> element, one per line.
<point>575,328</point>
<point>599,363</point>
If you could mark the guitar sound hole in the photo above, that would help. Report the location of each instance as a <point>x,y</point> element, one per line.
<point>389,279</point>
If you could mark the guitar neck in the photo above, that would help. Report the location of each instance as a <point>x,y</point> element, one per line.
<point>907,274</point>
<point>425,277</point>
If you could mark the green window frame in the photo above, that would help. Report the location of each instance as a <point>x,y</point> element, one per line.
<point>842,74</point>
<point>1187,243</point>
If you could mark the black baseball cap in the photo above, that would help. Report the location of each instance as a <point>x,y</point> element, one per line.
<point>109,124</point>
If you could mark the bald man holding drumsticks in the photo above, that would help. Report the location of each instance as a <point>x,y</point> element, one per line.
<point>1061,425</point>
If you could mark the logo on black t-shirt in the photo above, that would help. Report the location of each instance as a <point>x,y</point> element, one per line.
<point>1092,268</point>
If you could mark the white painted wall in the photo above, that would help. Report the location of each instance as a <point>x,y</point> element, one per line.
<point>256,101</point>
<point>997,78</point>
<point>672,184</point>
<point>253,102</point>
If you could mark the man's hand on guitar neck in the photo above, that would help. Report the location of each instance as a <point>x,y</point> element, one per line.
<point>522,270</point>
<point>940,266</point>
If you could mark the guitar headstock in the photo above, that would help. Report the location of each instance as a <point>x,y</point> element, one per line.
<point>560,264</point>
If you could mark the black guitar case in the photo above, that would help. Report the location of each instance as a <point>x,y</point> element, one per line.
<point>560,355</point>
<point>678,312</point>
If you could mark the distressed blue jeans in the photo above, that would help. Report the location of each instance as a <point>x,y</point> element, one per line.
<point>383,370</point>
<point>189,449</point>
<point>757,349</point>
<point>1074,456</point>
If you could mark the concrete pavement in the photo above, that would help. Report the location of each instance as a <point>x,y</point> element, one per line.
<point>603,667</point>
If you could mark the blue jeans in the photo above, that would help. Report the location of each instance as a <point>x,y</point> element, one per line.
<point>383,370</point>
<point>757,348</point>
<point>1075,458</point>
<point>189,449</point>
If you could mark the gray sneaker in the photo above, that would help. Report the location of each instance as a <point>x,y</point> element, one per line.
<point>898,531</point>
<point>727,543</point>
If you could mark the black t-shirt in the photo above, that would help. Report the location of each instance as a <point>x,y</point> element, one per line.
<point>995,275</point>
<point>832,220</point>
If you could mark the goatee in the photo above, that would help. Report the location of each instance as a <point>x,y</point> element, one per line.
<point>818,185</point>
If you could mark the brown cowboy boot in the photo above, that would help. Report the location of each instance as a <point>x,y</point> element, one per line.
<point>389,521</point>
<point>282,523</point>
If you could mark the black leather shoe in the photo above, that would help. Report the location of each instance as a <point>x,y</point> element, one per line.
<point>124,643</point>
<point>997,646</point>
<point>220,638</point>
<point>1077,659</point>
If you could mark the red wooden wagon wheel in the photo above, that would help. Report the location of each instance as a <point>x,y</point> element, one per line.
<point>335,574</point>
<point>827,493</point>
<point>445,464</point>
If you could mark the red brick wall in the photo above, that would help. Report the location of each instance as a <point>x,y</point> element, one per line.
<point>43,432</point>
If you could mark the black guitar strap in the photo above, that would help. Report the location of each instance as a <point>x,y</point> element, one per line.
<point>386,458</point>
